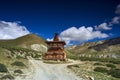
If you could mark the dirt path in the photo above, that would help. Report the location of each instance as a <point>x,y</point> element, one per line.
<point>43,71</point>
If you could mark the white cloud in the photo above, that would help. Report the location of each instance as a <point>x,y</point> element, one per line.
<point>103,26</point>
<point>87,33</point>
<point>118,9</point>
<point>60,38</point>
<point>12,30</point>
<point>81,34</point>
<point>115,20</point>
<point>48,39</point>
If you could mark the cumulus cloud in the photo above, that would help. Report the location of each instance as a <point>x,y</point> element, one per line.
<point>81,34</point>
<point>12,30</point>
<point>103,26</point>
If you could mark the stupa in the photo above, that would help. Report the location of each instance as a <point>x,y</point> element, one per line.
<point>55,49</point>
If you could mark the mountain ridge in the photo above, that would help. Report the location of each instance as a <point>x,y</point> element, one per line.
<point>110,42</point>
<point>107,48</point>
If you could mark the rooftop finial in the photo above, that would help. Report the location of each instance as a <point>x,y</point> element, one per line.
<point>56,38</point>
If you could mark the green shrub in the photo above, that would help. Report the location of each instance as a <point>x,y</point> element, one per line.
<point>101,69</point>
<point>19,57</point>
<point>18,63</point>
<point>7,77</point>
<point>90,59</point>
<point>18,71</point>
<point>114,72</point>
<point>3,68</point>
<point>98,64</point>
<point>37,56</point>
<point>111,65</point>
<point>115,61</point>
<point>76,65</point>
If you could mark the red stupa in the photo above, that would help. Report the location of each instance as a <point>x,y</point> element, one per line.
<point>55,49</point>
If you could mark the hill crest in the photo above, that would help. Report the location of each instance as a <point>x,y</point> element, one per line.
<point>26,41</point>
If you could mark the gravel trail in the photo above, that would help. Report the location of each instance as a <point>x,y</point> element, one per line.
<point>43,71</point>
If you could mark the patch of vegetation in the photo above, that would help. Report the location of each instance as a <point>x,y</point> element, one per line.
<point>115,61</point>
<point>18,71</point>
<point>114,72</point>
<point>101,69</point>
<point>71,56</point>
<point>7,77</point>
<point>76,65</point>
<point>111,65</point>
<point>69,66</point>
<point>98,64</point>
<point>94,59</point>
<point>18,63</point>
<point>19,57</point>
<point>3,68</point>
<point>110,60</point>
<point>88,59</point>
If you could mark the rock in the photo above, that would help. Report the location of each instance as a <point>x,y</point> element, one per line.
<point>90,78</point>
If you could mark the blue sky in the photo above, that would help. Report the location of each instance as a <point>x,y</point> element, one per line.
<point>45,17</point>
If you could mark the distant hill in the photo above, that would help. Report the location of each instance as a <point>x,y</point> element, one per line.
<point>108,48</point>
<point>107,44</point>
<point>30,41</point>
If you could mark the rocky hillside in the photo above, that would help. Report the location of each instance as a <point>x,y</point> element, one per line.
<point>22,47</point>
<point>108,48</point>
<point>106,44</point>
